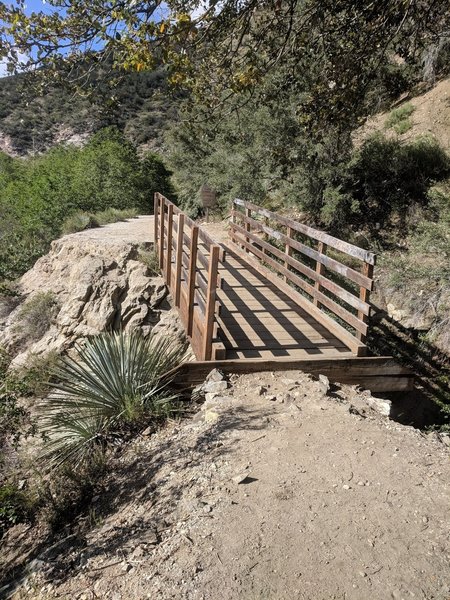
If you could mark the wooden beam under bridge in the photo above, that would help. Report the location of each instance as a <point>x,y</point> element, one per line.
<point>375,373</point>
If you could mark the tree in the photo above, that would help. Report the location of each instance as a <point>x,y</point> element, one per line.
<point>229,46</point>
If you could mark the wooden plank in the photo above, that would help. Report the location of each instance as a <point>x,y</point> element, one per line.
<point>155,218</point>
<point>211,301</point>
<point>328,262</point>
<point>161,235</point>
<point>342,334</point>
<point>198,328</point>
<point>288,249</point>
<point>315,275</point>
<point>200,303</point>
<point>364,294</point>
<point>202,259</point>
<point>191,278</point>
<point>316,234</point>
<point>381,374</point>
<point>248,214</point>
<point>179,259</point>
<point>335,308</point>
<point>201,282</point>
<point>322,249</point>
<point>168,273</point>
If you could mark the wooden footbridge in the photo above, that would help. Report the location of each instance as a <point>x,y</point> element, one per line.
<point>277,295</point>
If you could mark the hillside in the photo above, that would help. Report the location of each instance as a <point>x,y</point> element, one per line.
<point>429,115</point>
<point>30,122</point>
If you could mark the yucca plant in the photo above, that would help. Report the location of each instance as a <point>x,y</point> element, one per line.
<point>113,382</point>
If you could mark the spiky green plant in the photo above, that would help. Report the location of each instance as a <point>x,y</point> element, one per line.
<point>114,381</point>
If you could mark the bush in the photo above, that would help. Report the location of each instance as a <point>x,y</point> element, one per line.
<point>399,119</point>
<point>112,384</point>
<point>81,220</point>
<point>150,260</point>
<point>36,315</point>
<point>387,177</point>
<point>14,507</point>
<point>39,194</point>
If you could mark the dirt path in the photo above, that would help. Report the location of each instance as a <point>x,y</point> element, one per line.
<point>138,230</point>
<point>279,492</point>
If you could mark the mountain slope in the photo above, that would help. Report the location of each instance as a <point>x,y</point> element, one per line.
<point>140,103</point>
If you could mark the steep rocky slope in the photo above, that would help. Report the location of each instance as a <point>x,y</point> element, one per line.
<point>89,282</point>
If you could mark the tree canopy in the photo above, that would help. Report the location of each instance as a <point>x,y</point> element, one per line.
<point>227,46</point>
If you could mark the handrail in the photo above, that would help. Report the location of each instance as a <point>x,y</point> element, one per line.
<point>335,293</point>
<point>189,260</point>
<point>316,234</point>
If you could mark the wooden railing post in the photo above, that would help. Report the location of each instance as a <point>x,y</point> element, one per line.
<point>179,259</point>
<point>191,278</point>
<point>322,249</point>
<point>248,213</point>
<point>288,249</point>
<point>169,245</point>
<point>364,295</point>
<point>162,210</point>
<point>155,219</point>
<point>210,305</point>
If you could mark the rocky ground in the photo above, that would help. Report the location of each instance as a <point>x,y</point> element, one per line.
<point>279,487</point>
<point>96,280</point>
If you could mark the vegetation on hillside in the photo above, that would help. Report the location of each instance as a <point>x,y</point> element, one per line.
<point>34,120</point>
<point>43,195</point>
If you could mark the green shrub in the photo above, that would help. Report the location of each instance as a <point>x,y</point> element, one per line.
<point>14,507</point>
<point>40,194</point>
<point>79,222</point>
<point>387,177</point>
<point>399,119</point>
<point>36,315</point>
<point>82,220</point>
<point>113,383</point>
<point>150,260</point>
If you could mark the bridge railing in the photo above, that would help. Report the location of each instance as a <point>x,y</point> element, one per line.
<point>189,260</point>
<point>328,277</point>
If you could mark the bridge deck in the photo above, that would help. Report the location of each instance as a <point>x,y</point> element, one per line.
<point>258,320</point>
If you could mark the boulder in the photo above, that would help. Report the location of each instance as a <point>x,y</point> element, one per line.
<point>97,283</point>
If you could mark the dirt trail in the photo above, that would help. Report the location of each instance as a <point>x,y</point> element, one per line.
<point>277,489</point>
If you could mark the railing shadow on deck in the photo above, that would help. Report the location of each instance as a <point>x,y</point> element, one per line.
<point>271,341</point>
<point>428,405</point>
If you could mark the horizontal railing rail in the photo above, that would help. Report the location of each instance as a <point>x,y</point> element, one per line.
<point>189,260</point>
<point>329,277</point>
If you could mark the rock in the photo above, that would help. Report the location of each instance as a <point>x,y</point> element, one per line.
<point>271,398</point>
<point>215,387</point>
<point>242,478</point>
<point>325,383</point>
<point>288,382</point>
<point>211,416</point>
<point>215,375</point>
<point>97,284</point>
<point>445,438</point>
<point>138,552</point>
<point>346,487</point>
<point>380,405</point>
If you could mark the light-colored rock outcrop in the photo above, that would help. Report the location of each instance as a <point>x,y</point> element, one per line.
<point>97,283</point>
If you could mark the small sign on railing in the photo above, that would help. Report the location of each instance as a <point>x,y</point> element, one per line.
<point>208,198</point>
